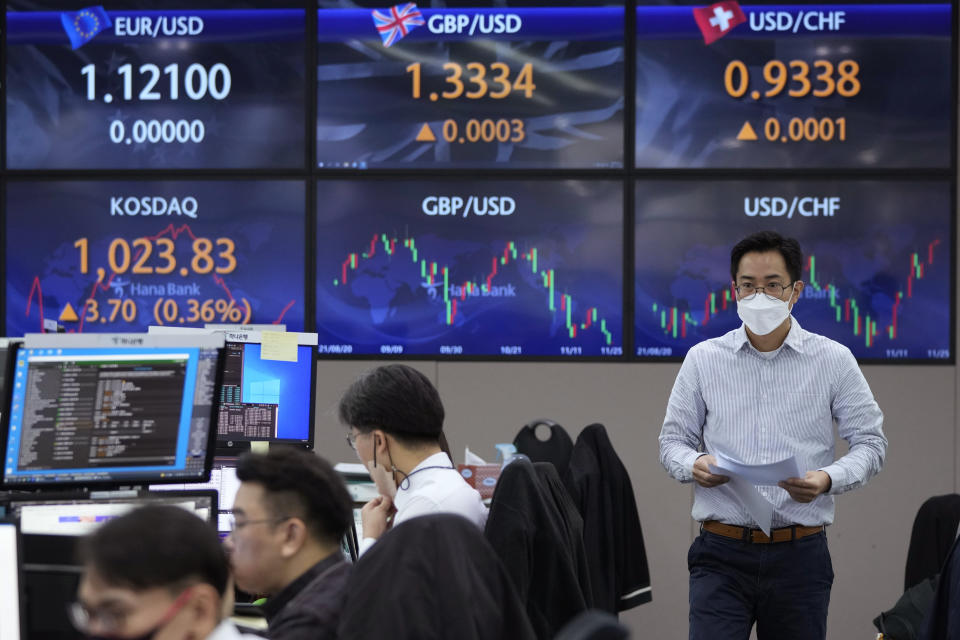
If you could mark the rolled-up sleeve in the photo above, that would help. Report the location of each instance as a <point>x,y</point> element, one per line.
<point>682,433</point>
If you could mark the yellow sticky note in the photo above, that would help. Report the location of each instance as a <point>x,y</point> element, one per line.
<point>278,345</point>
<point>259,446</point>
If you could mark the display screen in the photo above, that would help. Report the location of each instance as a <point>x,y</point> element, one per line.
<point>266,399</point>
<point>478,268</point>
<point>81,515</point>
<point>877,261</point>
<point>85,412</point>
<point>223,480</point>
<point>122,255</point>
<point>11,588</point>
<point>430,85</point>
<point>8,350</point>
<point>794,85</point>
<point>139,84</point>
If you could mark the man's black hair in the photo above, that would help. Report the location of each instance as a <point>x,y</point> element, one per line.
<point>397,399</point>
<point>301,484</point>
<point>763,241</point>
<point>157,546</point>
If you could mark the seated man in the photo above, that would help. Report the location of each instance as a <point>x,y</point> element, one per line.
<point>395,419</point>
<point>290,514</point>
<point>156,572</point>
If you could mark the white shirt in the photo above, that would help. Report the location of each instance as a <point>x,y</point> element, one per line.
<point>728,397</point>
<point>440,489</point>
<point>227,631</point>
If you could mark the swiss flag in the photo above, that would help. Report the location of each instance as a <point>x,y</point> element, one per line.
<point>718,19</point>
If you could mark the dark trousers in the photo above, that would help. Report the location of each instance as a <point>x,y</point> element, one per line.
<point>783,587</point>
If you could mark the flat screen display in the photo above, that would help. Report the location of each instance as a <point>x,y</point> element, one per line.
<point>223,480</point>
<point>470,268</point>
<point>263,399</point>
<point>430,84</point>
<point>111,409</point>
<point>803,85</point>
<point>77,516</point>
<point>877,261</point>
<point>11,585</point>
<point>123,255</point>
<point>145,85</point>
<point>8,351</point>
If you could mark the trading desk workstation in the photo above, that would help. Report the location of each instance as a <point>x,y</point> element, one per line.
<point>98,424</point>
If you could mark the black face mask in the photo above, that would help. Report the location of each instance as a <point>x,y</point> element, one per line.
<point>164,621</point>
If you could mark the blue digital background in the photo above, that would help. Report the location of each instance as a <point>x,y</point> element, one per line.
<point>900,118</point>
<point>52,125</point>
<point>45,219</point>
<point>367,117</point>
<point>686,229</point>
<point>576,227</point>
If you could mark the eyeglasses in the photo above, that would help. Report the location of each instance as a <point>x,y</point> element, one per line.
<point>112,621</point>
<point>772,290</point>
<point>352,440</point>
<point>236,525</point>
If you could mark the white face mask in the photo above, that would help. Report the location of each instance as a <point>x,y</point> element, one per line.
<point>762,314</point>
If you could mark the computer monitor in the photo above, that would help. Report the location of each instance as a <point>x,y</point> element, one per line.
<point>76,514</point>
<point>263,398</point>
<point>223,480</point>
<point>99,410</point>
<point>8,350</point>
<point>11,583</point>
<point>52,524</point>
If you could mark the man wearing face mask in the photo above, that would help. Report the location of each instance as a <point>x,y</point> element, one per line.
<point>157,573</point>
<point>761,393</point>
<point>395,421</point>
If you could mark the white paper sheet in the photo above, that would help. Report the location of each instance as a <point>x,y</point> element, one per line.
<point>745,477</point>
<point>759,474</point>
<point>759,508</point>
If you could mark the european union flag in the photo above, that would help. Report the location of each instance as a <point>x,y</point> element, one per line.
<point>81,26</point>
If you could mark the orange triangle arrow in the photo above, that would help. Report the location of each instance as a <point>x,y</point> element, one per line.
<point>426,135</point>
<point>747,132</point>
<point>68,314</point>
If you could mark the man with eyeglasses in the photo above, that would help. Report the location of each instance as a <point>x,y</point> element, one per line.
<point>156,572</point>
<point>290,515</point>
<point>394,418</point>
<point>759,394</point>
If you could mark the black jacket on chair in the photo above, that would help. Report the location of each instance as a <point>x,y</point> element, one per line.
<point>530,536</point>
<point>943,619</point>
<point>570,519</point>
<point>432,578</point>
<point>934,530</point>
<point>601,488</point>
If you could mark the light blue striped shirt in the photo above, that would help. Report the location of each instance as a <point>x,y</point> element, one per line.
<point>760,408</point>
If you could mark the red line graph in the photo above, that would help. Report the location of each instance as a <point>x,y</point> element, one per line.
<point>284,312</point>
<point>35,286</point>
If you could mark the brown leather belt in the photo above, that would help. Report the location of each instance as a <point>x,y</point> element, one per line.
<point>756,536</point>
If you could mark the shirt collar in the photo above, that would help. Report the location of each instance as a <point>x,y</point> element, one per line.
<point>276,603</point>
<point>407,486</point>
<point>226,631</point>
<point>794,339</point>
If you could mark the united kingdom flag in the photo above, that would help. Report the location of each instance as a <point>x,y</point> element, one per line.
<point>397,21</point>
